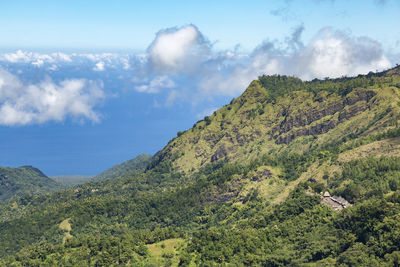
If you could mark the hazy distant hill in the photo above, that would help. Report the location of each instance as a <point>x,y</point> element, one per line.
<point>24,180</point>
<point>240,188</point>
<point>126,168</point>
<point>72,180</point>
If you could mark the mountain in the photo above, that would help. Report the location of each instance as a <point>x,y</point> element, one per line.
<point>278,114</point>
<point>291,173</point>
<point>24,180</point>
<point>126,168</point>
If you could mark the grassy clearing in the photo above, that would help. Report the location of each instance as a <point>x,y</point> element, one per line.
<point>268,186</point>
<point>315,171</point>
<point>388,147</point>
<point>165,253</point>
<point>66,226</point>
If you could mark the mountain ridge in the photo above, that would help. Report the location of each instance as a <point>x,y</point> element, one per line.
<point>322,111</point>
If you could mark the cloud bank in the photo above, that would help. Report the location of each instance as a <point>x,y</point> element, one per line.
<point>22,104</point>
<point>186,52</point>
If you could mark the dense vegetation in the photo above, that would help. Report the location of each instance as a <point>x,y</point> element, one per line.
<point>24,180</point>
<point>240,188</point>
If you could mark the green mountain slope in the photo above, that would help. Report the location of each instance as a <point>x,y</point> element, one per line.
<point>242,187</point>
<point>282,115</point>
<point>126,168</point>
<point>24,180</point>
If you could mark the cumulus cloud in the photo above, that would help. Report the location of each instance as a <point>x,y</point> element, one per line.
<point>183,63</point>
<point>17,57</point>
<point>62,56</point>
<point>36,59</point>
<point>330,54</point>
<point>178,49</point>
<point>49,60</point>
<point>156,84</point>
<point>22,104</point>
<point>99,66</point>
<point>38,63</point>
<point>335,54</point>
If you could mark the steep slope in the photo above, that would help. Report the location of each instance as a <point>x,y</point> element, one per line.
<point>279,114</point>
<point>24,180</point>
<point>242,187</point>
<point>126,168</point>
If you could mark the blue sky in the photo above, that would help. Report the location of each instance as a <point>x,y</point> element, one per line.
<point>119,24</point>
<point>85,85</point>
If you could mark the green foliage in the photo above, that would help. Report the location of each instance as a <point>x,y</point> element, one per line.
<point>370,177</point>
<point>280,85</point>
<point>207,120</point>
<point>24,180</point>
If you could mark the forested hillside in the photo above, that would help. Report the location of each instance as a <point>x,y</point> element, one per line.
<point>242,187</point>
<point>24,180</point>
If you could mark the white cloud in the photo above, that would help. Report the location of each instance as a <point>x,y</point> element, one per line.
<point>38,63</point>
<point>97,57</point>
<point>156,85</point>
<point>334,54</point>
<point>112,60</point>
<point>18,56</point>
<point>99,66</point>
<point>26,57</point>
<point>182,59</point>
<point>22,104</point>
<point>62,56</point>
<point>178,49</point>
<point>53,67</point>
<point>330,54</point>
<point>126,64</point>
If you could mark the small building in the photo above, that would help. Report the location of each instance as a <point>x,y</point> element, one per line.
<point>335,202</point>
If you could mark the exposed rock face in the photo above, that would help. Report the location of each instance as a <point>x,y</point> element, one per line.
<point>346,109</point>
<point>216,195</point>
<point>213,138</point>
<point>219,154</point>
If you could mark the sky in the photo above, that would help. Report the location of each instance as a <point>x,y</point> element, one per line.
<point>85,85</point>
